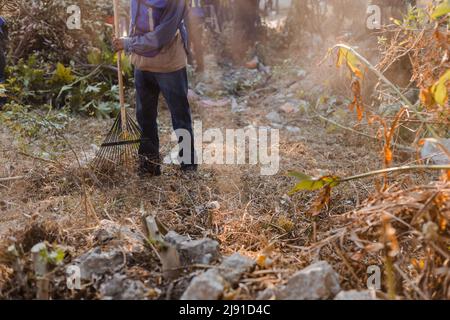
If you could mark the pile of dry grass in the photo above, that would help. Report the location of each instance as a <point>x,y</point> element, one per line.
<point>404,231</point>
<point>41,26</point>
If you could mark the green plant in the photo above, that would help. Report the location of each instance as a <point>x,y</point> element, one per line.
<point>28,123</point>
<point>36,82</point>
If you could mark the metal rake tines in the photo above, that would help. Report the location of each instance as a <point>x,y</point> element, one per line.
<point>120,147</point>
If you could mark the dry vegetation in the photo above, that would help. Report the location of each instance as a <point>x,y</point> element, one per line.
<point>397,221</point>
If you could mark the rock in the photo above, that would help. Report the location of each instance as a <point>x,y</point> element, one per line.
<point>317,282</point>
<point>211,284</point>
<point>356,295</point>
<point>293,129</point>
<point>203,251</point>
<point>97,263</point>
<point>233,267</point>
<point>274,117</point>
<point>105,233</point>
<point>237,107</point>
<point>207,286</point>
<point>432,151</point>
<point>267,294</point>
<point>288,108</point>
<point>175,238</point>
<point>119,287</point>
<point>109,230</point>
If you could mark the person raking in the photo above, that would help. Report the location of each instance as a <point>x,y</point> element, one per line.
<point>157,45</point>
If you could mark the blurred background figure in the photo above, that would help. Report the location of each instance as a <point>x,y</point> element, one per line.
<point>196,25</point>
<point>247,27</point>
<point>222,11</point>
<point>3,40</point>
<point>212,22</point>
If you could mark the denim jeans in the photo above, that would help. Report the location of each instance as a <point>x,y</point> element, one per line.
<point>174,88</point>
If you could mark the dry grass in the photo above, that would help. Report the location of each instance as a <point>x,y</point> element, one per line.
<point>61,203</point>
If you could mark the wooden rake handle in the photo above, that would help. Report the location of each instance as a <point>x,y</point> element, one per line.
<point>123,112</point>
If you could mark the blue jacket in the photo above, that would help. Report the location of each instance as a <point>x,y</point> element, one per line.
<point>2,25</point>
<point>147,38</point>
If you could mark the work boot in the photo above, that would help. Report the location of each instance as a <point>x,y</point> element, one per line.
<point>149,166</point>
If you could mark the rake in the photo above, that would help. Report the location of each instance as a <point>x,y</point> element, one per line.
<point>121,145</point>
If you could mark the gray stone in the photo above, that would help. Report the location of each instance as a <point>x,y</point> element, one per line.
<point>203,251</point>
<point>293,129</point>
<point>207,286</point>
<point>237,107</point>
<point>211,284</point>
<point>432,151</point>
<point>97,262</point>
<point>267,294</point>
<point>233,267</point>
<point>356,295</point>
<point>274,117</point>
<point>317,282</point>
<point>174,238</point>
<point>119,287</point>
<point>110,230</point>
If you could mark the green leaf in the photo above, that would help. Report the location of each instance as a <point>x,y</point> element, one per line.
<point>62,74</point>
<point>441,10</point>
<point>439,90</point>
<point>307,183</point>
<point>57,257</point>
<point>94,57</point>
<point>345,55</point>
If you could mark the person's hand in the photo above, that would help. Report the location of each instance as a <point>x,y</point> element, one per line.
<point>118,44</point>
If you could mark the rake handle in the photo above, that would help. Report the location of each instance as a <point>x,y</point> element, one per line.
<point>123,112</point>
